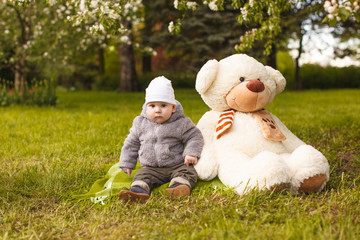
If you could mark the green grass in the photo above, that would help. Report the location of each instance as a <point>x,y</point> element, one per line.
<point>47,154</point>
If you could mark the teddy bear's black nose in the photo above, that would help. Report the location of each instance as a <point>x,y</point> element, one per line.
<point>255,86</point>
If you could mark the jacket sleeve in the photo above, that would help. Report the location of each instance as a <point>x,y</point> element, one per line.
<point>192,139</point>
<point>130,149</point>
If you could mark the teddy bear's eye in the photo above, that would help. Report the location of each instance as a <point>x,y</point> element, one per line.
<point>242,79</point>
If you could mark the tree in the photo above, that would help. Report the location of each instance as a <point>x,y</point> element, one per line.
<point>294,25</point>
<point>267,16</point>
<point>30,23</point>
<point>128,75</point>
<point>348,33</point>
<point>37,38</point>
<point>205,34</point>
<point>306,16</point>
<point>115,18</point>
<point>18,37</point>
<point>265,19</point>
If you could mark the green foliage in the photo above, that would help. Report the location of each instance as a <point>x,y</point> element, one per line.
<point>107,83</point>
<point>314,76</point>
<point>205,34</point>
<point>49,154</point>
<point>40,93</point>
<point>286,65</point>
<point>318,77</point>
<point>178,80</point>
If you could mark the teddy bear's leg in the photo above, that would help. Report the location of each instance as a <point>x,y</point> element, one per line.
<point>207,166</point>
<point>312,184</point>
<point>309,169</point>
<point>266,170</point>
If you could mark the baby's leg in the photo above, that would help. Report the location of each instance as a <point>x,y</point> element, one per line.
<point>183,179</point>
<point>183,174</point>
<point>150,177</point>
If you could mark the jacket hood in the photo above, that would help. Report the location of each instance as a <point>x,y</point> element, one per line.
<point>179,112</point>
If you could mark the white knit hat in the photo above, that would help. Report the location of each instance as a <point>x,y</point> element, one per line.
<point>160,90</point>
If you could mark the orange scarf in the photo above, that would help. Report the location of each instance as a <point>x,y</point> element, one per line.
<point>264,118</point>
<point>225,122</point>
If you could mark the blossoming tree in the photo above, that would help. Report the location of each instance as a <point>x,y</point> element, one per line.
<point>267,16</point>
<point>116,18</point>
<point>264,15</point>
<point>35,33</point>
<point>26,24</point>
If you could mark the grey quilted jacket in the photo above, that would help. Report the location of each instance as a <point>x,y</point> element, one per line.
<point>161,145</point>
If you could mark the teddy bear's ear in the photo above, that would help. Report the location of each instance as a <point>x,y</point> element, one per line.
<point>278,78</point>
<point>206,76</point>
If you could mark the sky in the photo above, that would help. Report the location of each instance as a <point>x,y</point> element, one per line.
<point>318,49</point>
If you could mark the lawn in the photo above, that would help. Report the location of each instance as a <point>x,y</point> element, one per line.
<point>48,154</point>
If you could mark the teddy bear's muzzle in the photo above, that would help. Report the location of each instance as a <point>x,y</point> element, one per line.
<point>248,97</point>
<point>255,86</point>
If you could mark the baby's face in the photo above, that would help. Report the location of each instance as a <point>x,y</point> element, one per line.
<point>159,112</point>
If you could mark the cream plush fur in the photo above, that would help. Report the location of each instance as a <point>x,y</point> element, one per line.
<point>242,158</point>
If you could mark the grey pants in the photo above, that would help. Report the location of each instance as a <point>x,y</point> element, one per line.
<point>150,177</point>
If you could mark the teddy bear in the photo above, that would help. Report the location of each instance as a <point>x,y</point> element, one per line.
<point>246,146</point>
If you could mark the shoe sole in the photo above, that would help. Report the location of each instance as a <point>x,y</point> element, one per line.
<point>179,191</point>
<point>129,196</point>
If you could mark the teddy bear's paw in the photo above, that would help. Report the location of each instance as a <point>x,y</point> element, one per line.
<point>312,184</point>
<point>206,173</point>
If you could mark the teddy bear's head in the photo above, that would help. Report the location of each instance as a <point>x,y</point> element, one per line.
<point>238,82</point>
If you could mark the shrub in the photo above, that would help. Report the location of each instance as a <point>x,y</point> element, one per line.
<point>107,83</point>
<point>41,93</point>
<point>314,76</point>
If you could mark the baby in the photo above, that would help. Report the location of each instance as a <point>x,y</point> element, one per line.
<point>166,142</point>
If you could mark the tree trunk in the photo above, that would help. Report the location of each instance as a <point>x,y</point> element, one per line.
<point>146,34</point>
<point>21,64</point>
<point>297,65</point>
<point>146,64</point>
<point>128,77</point>
<point>271,59</point>
<point>101,61</point>
<point>17,74</point>
<point>20,76</point>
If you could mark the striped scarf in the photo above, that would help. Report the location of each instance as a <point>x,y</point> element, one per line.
<point>267,124</point>
<point>225,122</point>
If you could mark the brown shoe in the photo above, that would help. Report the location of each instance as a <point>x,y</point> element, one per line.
<point>178,190</point>
<point>134,194</point>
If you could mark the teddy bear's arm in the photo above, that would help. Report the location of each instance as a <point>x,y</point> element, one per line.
<point>291,142</point>
<point>207,166</point>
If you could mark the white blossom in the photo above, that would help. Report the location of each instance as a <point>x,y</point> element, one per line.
<point>51,2</point>
<point>331,9</point>
<point>82,5</point>
<point>327,4</point>
<point>191,5</point>
<point>171,27</point>
<point>176,4</point>
<point>125,39</point>
<point>213,6</point>
<point>94,4</point>
<point>244,13</point>
<point>251,3</point>
<point>150,50</point>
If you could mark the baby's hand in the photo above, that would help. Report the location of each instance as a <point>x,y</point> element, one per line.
<point>127,170</point>
<point>190,160</point>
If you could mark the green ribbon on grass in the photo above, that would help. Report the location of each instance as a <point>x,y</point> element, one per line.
<point>115,180</point>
